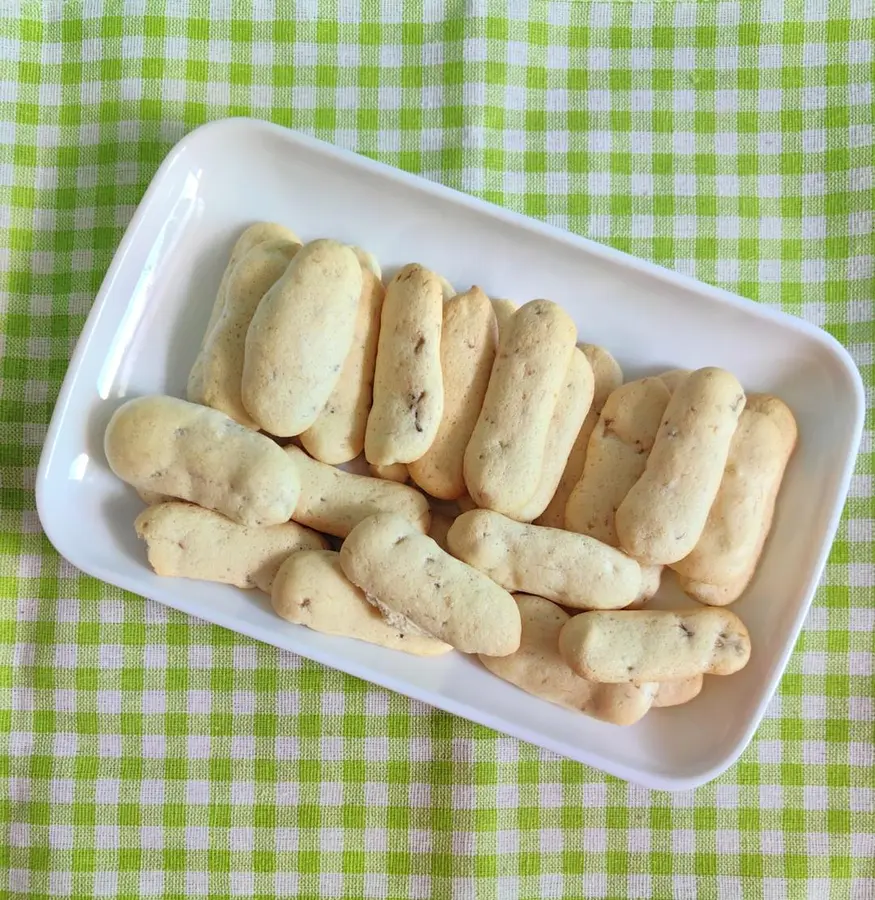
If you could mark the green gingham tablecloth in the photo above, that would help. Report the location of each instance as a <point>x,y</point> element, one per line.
<point>147,754</point>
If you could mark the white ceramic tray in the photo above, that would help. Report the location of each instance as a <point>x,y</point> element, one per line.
<point>147,322</point>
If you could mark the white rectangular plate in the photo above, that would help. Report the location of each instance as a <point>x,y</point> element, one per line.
<point>148,319</point>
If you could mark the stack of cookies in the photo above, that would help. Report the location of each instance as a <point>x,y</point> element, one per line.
<point>522,502</point>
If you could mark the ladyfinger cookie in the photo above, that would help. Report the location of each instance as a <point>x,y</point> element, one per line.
<point>466,504</point>
<point>195,453</point>
<point>395,472</point>
<point>406,573</point>
<point>468,343</point>
<point>538,669</point>
<point>623,646</point>
<point>569,413</point>
<point>222,354</point>
<point>334,501</point>
<point>310,589</point>
<point>503,310</point>
<point>616,456</point>
<point>741,516</point>
<point>662,517</point>
<point>439,528</point>
<point>447,290</point>
<point>607,377</point>
<point>338,434</point>
<point>299,338</point>
<point>408,387</point>
<point>368,261</point>
<point>673,378</point>
<point>187,541</point>
<point>571,569</point>
<point>675,693</point>
<point>506,453</point>
<point>252,236</point>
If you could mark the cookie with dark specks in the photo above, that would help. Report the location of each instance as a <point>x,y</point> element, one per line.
<point>310,589</point>
<point>663,516</point>
<point>538,669</point>
<point>406,574</point>
<point>620,646</point>
<point>408,387</point>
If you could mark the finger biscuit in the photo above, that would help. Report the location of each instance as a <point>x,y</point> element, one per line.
<point>607,377</point>
<point>439,527</point>
<point>447,290</point>
<point>407,573</point>
<point>310,589</point>
<point>299,338</point>
<point>334,501</point>
<point>187,541</point>
<point>468,342</point>
<point>395,472</point>
<point>616,456</point>
<point>662,517</point>
<point>368,261</point>
<point>570,569</point>
<point>741,516</point>
<point>152,497</point>
<point>503,310</point>
<point>408,387</point>
<point>338,434</point>
<point>675,693</point>
<point>252,236</point>
<point>569,413</point>
<point>195,453</point>
<point>505,455</point>
<point>466,504</point>
<point>673,378</point>
<point>222,354</point>
<point>654,645</point>
<point>538,669</point>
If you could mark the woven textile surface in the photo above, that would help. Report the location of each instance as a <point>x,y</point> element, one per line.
<point>147,754</point>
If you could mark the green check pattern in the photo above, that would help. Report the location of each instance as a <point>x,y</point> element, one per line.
<point>144,754</point>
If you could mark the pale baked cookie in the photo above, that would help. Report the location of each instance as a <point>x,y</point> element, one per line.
<point>447,290</point>
<point>616,456</point>
<point>505,456</point>
<point>654,645</point>
<point>299,338</point>
<point>466,504</point>
<point>569,413</point>
<point>407,574</point>
<point>187,541</point>
<point>675,693</point>
<point>192,452</point>
<point>310,589</point>
<point>394,472</point>
<point>253,235</point>
<point>468,342</point>
<point>662,517</point>
<point>673,378</point>
<point>439,527</point>
<point>571,569</point>
<point>408,387</point>
<point>334,501</point>
<point>338,434</point>
<point>503,309</point>
<point>222,354</point>
<point>368,261</point>
<point>538,669</point>
<point>152,497</point>
<point>607,377</point>
<point>741,517</point>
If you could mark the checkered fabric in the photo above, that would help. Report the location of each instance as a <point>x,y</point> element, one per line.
<point>147,754</point>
